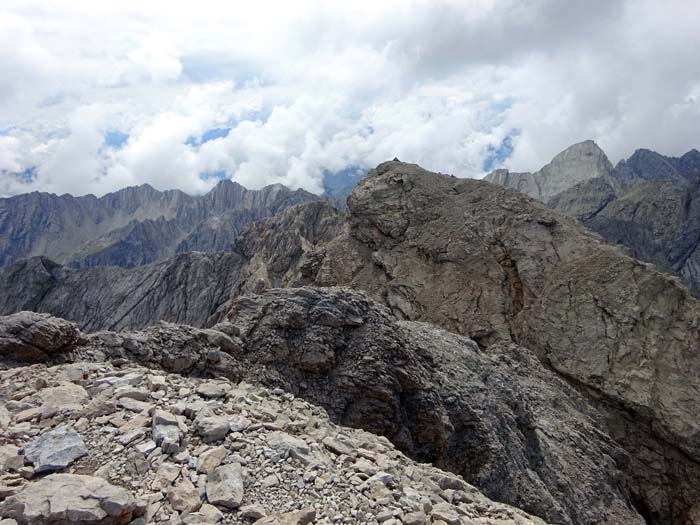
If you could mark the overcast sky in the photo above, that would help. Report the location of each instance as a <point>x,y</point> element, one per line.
<point>98,95</point>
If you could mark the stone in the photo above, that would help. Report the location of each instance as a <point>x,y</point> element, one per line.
<point>134,405</point>
<point>184,496</point>
<point>34,337</point>
<point>289,446</point>
<point>207,514</point>
<point>338,447</point>
<point>270,481</point>
<point>5,417</point>
<point>446,513</point>
<point>10,458</point>
<point>238,423</point>
<point>211,459</point>
<point>301,517</point>
<point>55,450</point>
<point>166,431</point>
<point>253,512</point>
<point>415,518</point>
<point>212,428</point>
<point>225,486</point>
<point>71,499</point>
<point>66,396</point>
<point>165,475</point>
<point>146,447</point>
<point>213,389</point>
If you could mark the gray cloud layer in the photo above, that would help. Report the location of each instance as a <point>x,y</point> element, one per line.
<point>309,86</point>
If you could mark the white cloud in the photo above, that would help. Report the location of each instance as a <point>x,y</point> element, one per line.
<point>312,86</point>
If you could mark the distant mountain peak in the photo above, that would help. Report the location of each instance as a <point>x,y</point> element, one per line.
<point>577,163</point>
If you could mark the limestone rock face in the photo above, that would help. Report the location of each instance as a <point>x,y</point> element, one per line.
<point>494,265</point>
<point>577,163</point>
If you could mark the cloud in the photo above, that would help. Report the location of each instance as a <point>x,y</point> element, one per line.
<point>306,88</point>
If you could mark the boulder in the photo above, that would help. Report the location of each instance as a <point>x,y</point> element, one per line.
<point>225,486</point>
<point>70,499</point>
<point>34,337</point>
<point>55,450</point>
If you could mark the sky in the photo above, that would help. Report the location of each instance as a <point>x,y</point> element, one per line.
<point>96,96</point>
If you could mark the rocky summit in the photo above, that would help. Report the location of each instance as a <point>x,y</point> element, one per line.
<point>447,351</point>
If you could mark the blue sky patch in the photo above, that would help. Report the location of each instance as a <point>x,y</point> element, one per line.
<point>211,134</point>
<point>218,175</point>
<point>500,153</point>
<point>341,183</point>
<point>115,139</point>
<point>27,175</point>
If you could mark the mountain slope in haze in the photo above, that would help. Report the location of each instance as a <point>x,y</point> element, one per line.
<point>500,268</point>
<point>575,164</point>
<point>133,226</point>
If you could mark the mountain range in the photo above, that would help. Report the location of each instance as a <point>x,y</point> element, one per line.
<point>479,329</point>
<point>134,226</point>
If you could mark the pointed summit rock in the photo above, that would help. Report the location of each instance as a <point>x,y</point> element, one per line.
<point>577,163</point>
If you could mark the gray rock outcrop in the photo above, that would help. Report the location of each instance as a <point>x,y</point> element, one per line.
<point>30,335</point>
<point>607,346</point>
<point>498,418</point>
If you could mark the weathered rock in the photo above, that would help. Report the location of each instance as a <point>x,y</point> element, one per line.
<point>301,517</point>
<point>212,428</point>
<point>184,496</point>
<point>55,450</point>
<point>166,431</point>
<point>10,458</point>
<point>211,459</point>
<point>63,499</point>
<point>289,446</point>
<point>225,486</point>
<point>213,389</point>
<point>66,396</point>
<point>33,337</point>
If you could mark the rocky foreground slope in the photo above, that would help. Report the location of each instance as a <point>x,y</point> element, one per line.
<point>133,226</point>
<point>605,432</point>
<point>111,442</point>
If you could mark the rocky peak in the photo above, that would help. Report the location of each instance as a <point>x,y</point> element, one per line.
<point>577,163</point>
